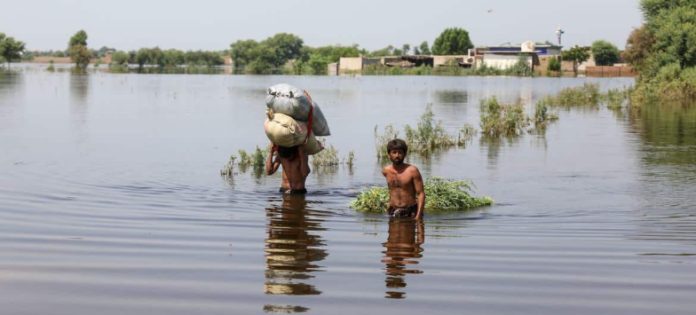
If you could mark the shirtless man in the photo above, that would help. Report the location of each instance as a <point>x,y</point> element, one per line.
<point>406,193</point>
<point>295,168</point>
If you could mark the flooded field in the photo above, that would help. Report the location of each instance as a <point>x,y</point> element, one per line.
<point>111,202</point>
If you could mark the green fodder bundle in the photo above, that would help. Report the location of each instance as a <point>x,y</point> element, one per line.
<point>441,196</point>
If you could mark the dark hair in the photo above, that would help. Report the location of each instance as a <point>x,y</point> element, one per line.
<point>287,152</point>
<point>397,144</point>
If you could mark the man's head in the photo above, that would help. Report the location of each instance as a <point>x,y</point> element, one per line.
<point>396,150</point>
<point>287,152</point>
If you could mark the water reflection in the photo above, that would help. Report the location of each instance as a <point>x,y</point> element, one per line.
<point>8,81</point>
<point>401,254</point>
<point>452,96</point>
<point>79,87</point>
<point>292,251</point>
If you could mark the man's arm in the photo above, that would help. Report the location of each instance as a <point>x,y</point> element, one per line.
<point>271,163</point>
<point>420,192</point>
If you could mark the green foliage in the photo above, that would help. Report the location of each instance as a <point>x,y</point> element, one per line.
<point>267,56</point>
<point>424,48</point>
<point>326,158</point>
<point>10,49</point>
<point>80,38</point>
<point>521,68</point>
<point>615,98</point>
<point>502,119</point>
<point>664,52</point>
<point>542,117</point>
<point>78,51</point>
<point>605,53</point>
<point>554,65</point>
<point>452,41</point>
<point>427,137</point>
<point>119,58</point>
<point>585,95</point>
<point>577,55</point>
<point>441,196</point>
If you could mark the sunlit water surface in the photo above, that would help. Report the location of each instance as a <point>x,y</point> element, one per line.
<point>111,203</point>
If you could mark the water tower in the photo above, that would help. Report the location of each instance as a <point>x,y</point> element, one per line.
<point>559,33</point>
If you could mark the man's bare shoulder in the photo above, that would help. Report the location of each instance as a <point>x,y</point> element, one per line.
<point>413,169</point>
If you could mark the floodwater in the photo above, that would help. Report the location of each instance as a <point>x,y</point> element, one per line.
<point>111,203</point>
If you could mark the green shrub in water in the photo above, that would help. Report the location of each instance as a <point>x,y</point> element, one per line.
<point>327,157</point>
<point>502,119</point>
<point>427,137</point>
<point>585,95</point>
<point>441,196</point>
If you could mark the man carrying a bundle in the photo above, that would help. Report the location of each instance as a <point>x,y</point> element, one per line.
<point>406,193</point>
<point>295,167</point>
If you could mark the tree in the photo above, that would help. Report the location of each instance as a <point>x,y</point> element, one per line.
<point>243,52</point>
<point>577,55</point>
<point>78,51</point>
<point>405,49</point>
<point>10,49</point>
<point>424,48</point>
<point>553,65</point>
<point>452,41</point>
<point>638,47</point>
<point>267,56</point>
<point>605,53</point>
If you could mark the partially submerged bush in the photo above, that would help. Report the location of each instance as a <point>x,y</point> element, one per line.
<point>585,95</point>
<point>441,196</point>
<point>502,119</point>
<point>255,160</point>
<point>427,137</point>
<point>326,157</point>
<point>542,117</point>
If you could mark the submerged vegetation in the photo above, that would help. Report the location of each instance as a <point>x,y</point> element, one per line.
<point>427,137</point>
<point>442,195</point>
<point>255,160</point>
<point>585,95</point>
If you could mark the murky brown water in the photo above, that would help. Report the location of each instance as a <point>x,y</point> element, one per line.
<point>111,203</point>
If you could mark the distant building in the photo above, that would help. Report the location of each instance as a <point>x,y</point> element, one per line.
<point>541,49</point>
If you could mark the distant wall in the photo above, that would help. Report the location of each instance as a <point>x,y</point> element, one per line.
<point>448,60</point>
<point>610,71</point>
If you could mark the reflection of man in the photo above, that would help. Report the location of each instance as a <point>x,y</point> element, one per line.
<point>291,251</point>
<point>403,248</point>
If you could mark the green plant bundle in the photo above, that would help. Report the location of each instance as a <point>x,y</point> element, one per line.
<point>441,196</point>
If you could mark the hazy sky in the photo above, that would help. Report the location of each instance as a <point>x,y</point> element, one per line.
<point>213,25</point>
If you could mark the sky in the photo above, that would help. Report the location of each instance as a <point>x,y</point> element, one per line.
<point>372,24</point>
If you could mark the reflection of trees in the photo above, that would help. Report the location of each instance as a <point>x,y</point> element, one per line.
<point>401,254</point>
<point>8,80</point>
<point>668,155</point>
<point>451,96</point>
<point>292,252</point>
<point>79,86</point>
<point>493,147</point>
<point>668,133</point>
